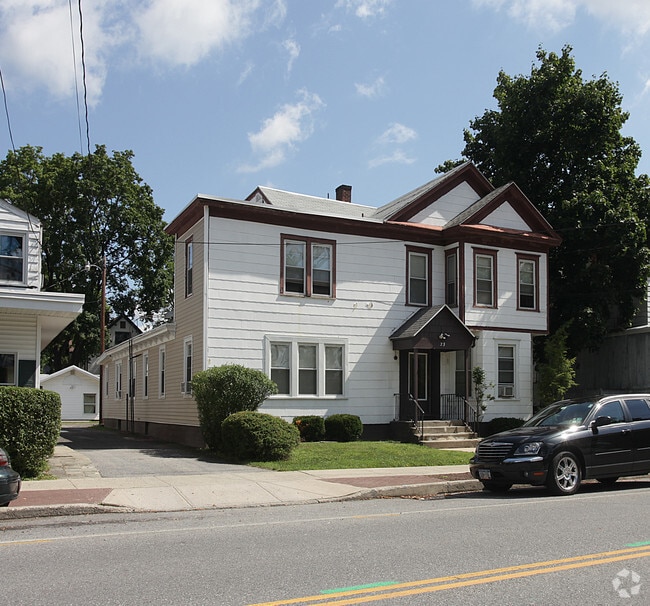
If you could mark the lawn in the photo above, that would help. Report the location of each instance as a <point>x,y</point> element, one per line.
<point>359,455</point>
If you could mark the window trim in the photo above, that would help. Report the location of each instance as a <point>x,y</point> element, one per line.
<point>308,286</point>
<point>321,344</point>
<point>162,362</point>
<point>145,375</point>
<point>427,254</point>
<point>189,267</point>
<point>453,252</point>
<point>94,403</point>
<point>24,237</point>
<point>14,355</point>
<point>513,385</point>
<point>118,380</point>
<point>188,346</point>
<point>534,259</point>
<point>492,255</point>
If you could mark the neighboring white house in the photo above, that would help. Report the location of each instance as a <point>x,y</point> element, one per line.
<point>348,308</point>
<point>79,391</point>
<point>29,317</point>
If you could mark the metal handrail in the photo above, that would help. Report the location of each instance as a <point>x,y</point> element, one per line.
<point>418,415</point>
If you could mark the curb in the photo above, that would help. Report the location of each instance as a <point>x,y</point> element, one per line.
<point>46,511</point>
<point>421,490</point>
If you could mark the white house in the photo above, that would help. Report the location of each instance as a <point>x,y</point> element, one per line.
<point>79,391</point>
<point>348,308</point>
<point>29,317</point>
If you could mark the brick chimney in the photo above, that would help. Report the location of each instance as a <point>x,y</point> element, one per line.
<point>344,193</point>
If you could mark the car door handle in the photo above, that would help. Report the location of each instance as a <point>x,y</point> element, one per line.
<point>626,431</point>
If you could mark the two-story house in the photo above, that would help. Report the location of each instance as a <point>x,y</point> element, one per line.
<point>29,317</point>
<point>348,308</point>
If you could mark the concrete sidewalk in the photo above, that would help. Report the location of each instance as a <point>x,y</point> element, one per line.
<point>80,489</point>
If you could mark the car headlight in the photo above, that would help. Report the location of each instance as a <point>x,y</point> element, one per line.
<point>529,448</point>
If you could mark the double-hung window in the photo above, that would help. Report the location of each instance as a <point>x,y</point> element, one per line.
<point>506,371</point>
<point>451,278</point>
<point>418,272</point>
<point>145,374</point>
<point>186,387</point>
<point>162,360</point>
<point>12,258</point>
<point>306,368</point>
<point>308,267</point>
<point>189,267</point>
<point>8,369</point>
<point>118,380</point>
<point>527,281</point>
<point>485,278</point>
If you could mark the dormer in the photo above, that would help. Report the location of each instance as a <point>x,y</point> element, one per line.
<point>20,238</point>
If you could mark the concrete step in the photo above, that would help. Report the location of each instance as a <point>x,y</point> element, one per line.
<point>441,443</point>
<point>460,435</point>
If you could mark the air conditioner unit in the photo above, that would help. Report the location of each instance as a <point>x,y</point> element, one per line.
<point>506,391</point>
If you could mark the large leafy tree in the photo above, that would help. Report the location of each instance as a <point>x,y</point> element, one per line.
<point>93,208</point>
<point>558,136</point>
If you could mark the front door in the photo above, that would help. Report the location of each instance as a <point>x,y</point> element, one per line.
<point>420,372</point>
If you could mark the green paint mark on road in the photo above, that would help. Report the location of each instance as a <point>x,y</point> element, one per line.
<point>641,544</point>
<point>368,586</point>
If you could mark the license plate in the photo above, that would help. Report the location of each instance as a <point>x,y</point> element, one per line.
<point>484,474</point>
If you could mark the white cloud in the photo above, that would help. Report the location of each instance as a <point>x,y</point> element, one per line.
<point>246,72</point>
<point>184,33</point>
<point>36,46</point>
<point>394,136</point>
<point>293,48</point>
<point>397,133</point>
<point>397,157</point>
<point>290,125</point>
<point>365,9</point>
<point>627,16</point>
<point>373,89</point>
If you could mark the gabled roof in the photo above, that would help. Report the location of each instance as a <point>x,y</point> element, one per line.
<point>70,370</point>
<point>9,207</point>
<point>434,327</point>
<point>408,205</point>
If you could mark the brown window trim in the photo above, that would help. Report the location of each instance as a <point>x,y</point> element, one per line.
<point>535,260</point>
<point>428,253</point>
<point>449,253</point>
<point>486,252</point>
<point>309,242</point>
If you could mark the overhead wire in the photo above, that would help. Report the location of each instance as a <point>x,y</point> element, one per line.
<point>83,73</point>
<point>4,96</point>
<point>76,77</point>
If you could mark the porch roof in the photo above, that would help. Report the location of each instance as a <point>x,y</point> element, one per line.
<point>434,327</point>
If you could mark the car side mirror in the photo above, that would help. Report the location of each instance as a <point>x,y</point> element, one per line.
<point>599,422</point>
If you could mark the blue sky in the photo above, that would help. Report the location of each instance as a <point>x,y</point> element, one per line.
<point>219,96</point>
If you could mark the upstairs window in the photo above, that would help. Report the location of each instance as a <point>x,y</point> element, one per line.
<point>451,278</point>
<point>485,278</point>
<point>12,261</point>
<point>418,272</point>
<point>189,267</point>
<point>528,269</point>
<point>307,267</point>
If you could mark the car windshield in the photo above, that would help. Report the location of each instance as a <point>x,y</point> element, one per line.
<point>561,414</point>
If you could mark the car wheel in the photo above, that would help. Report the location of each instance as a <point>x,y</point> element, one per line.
<point>496,486</point>
<point>607,481</point>
<point>564,474</point>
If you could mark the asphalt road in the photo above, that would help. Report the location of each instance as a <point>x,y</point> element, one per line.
<point>118,455</point>
<point>518,549</point>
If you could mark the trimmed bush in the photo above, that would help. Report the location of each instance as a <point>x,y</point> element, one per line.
<point>343,428</point>
<point>256,436</point>
<point>311,427</point>
<point>30,425</point>
<point>500,424</point>
<point>223,390</point>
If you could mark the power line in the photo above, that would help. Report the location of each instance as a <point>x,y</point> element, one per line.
<point>83,72</point>
<point>4,95</point>
<point>76,83</point>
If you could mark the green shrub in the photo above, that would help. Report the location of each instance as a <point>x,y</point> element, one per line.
<point>256,436</point>
<point>343,428</point>
<point>311,427</point>
<point>30,425</point>
<point>500,424</point>
<point>223,390</point>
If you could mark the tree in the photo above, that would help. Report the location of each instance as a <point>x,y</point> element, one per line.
<point>92,208</point>
<point>559,138</point>
<point>557,373</point>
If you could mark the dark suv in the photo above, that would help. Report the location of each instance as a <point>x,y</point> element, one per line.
<point>603,438</point>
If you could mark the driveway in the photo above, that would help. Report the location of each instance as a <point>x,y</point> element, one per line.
<point>120,455</point>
